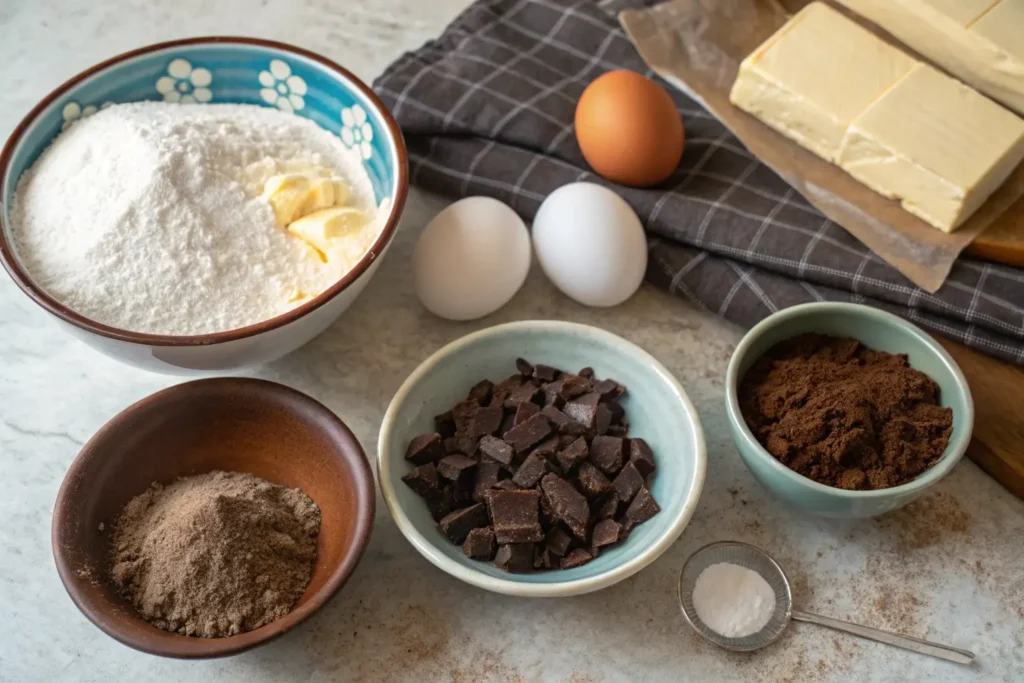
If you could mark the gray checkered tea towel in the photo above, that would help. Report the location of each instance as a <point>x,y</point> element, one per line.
<point>487,109</point>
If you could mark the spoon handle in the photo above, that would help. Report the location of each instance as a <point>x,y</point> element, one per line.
<point>906,642</point>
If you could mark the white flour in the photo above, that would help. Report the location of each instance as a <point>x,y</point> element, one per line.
<point>146,217</point>
<point>733,600</point>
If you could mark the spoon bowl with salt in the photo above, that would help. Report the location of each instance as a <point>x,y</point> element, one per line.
<point>736,596</point>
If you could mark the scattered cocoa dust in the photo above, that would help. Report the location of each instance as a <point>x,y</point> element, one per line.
<point>926,521</point>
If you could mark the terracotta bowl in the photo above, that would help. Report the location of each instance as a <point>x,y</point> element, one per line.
<point>233,424</point>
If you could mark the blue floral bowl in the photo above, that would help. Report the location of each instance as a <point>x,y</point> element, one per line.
<point>226,70</point>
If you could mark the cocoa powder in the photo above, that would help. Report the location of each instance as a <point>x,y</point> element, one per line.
<point>216,554</point>
<point>844,415</point>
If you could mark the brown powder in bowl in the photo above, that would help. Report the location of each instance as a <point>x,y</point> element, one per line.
<point>216,554</point>
<point>844,415</point>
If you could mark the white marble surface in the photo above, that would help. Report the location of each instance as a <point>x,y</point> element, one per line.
<point>949,569</point>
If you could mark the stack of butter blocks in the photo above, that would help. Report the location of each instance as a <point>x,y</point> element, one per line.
<point>904,129</point>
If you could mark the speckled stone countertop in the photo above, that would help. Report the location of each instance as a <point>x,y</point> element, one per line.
<point>947,568</point>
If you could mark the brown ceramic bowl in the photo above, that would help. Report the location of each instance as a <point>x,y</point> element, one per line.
<point>233,424</point>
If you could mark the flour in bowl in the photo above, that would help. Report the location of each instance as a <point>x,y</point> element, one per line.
<point>153,217</point>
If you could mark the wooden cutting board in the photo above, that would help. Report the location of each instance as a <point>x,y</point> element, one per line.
<point>998,391</point>
<point>1003,242</point>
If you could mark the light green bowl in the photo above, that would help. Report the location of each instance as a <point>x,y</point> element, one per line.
<point>878,330</point>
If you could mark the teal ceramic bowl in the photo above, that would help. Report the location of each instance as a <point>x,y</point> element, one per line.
<point>877,330</point>
<point>656,405</point>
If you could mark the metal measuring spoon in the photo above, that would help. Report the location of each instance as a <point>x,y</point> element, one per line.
<point>744,555</point>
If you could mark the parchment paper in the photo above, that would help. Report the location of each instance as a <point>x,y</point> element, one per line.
<point>698,45</point>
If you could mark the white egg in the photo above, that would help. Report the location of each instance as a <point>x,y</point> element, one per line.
<point>590,243</point>
<point>471,259</point>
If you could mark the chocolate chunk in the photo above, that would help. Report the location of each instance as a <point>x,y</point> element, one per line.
<point>573,386</point>
<point>466,444</point>
<point>515,515</point>
<point>451,445</point>
<point>524,367</point>
<point>568,505</point>
<point>553,399</point>
<point>577,558</point>
<point>548,447</point>
<point>479,544</point>
<point>481,392</point>
<point>422,480</point>
<point>458,469</point>
<point>592,482</point>
<point>496,449</point>
<point>507,485</point>
<point>541,558</point>
<point>425,448</point>
<point>463,413</point>
<point>508,385</point>
<point>445,424</point>
<point>641,509</point>
<point>524,412</point>
<point>606,453</point>
<point>528,434</point>
<point>562,422</point>
<point>545,373</point>
<point>617,430</point>
<point>508,422</point>
<point>605,532</point>
<point>487,475</point>
<point>586,373</point>
<point>609,507</point>
<point>441,502</point>
<point>457,525</point>
<point>515,557</point>
<point>641,456</point>
<point>584,409</point>
<point>526,393</point>
<point>486,421</point>
<point>608,389</point>
<point>573,454</point>
<point>557,541</point>
<point>602,419</point>
<point>529,473</point>
<point>618,412</point>
<point>628,482</point>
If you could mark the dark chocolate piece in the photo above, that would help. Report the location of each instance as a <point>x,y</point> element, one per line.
<point>529,473</point>
<point>524,367</point>
<point>487,475</point>
<point>573,454</point>
<point>526,393</point>
<point>605,532</point>
<point>586,373</point>
<point>524,412</point>
<point>422,480</point>
<point>458,469</point>
<point>524,436</point>
<point>545,373</point>
<point>451,445</point>
<point>463,413</point>
<point>542,558</point>
<point>486,421</point>
<point>557,541</point>
<point>506,485</point>
<point>617,430</point>
<point>628,482</point>
<point>508,422</point>
<point>573,386</point>
<point>562,422</point>
<point>457,525</point>
<point>606,453</point>
<point>466,444</point>
<point>516,515</point>
<point>479,544</point>
<point>584,409</point>
<point>568,505</point>
<point>445,424</point>
<point>515,557</point>
<point>508,385</point>
<point>609,507</point>
<point>608,389</point>
<point>496,449</point>
<point>602,419</point>
<point>553,399</point>
<point>641,456</point>
<point>441,502</point>
<point>425,448</point>
<point>618,412</point>
<point>577,558</point>
<point>481,392</point>
<point>592,482</point>
<point>641,509</point>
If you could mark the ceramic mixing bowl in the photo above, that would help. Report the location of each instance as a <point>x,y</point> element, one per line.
<point>657,408</point>
<point>878,330</point>
<point>231,424</point>
<point>235,70</point>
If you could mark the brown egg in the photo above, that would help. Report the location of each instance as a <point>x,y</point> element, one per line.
<point>629,129</point>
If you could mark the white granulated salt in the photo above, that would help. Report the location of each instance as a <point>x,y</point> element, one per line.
<point>732,600</point>
<point>146,216</point>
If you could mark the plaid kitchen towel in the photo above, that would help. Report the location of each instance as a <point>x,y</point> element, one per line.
<point>487,109</point>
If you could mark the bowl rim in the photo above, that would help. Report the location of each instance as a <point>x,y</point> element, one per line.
<point>512,586</point>
<point>187,647</point>
<point>35,292</point>
<point>955,449</point>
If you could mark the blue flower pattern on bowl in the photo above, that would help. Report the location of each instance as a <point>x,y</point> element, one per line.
<point>227,73</point>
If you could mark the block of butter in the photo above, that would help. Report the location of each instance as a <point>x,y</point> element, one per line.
<point>938,146</point>
<point>979,41</point>
<point>902,128</point>
<point>815,75</point>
